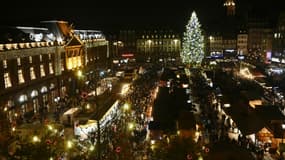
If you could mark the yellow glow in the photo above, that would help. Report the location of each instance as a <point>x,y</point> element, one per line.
<point>152,142</point>
<point>227,105</point>
<point>69,144</point>
<point>87,106</point>
<point>126,106</point>
<point>197,127</point>
<point>13,129</point>
<point>131,126</point>
<point>200,158</point>
<point>69,63</point>
<point>73,62</point>
<point>246,73</point>
<point>253,103</point>
<point>211,38</point>
<point>79,61</point>
<point>196,136</point>
<point>79,73</point>
<point>36,139</point>
<point>91,148</point>
<point>50,127</point>
<point>125,88</point>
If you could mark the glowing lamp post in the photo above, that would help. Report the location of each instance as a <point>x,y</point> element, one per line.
<point>126,107</point>
<point>36,139</point>
<point>69,144</point>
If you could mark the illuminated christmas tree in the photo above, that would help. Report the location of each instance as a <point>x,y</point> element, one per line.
<point>193,43</point>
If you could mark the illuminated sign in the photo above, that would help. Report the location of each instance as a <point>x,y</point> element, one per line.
<point>127,55</point>
<point>36,37</point>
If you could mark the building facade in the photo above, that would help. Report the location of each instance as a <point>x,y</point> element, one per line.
<point>41,67</point>
<point>158,46</point>
<point>242,38</point>
<point>278,44</point>
<point>259,39</point>
<point>214,45</point>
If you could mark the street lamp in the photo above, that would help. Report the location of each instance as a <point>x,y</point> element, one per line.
<point>36,139</point>
<point>69,144</point>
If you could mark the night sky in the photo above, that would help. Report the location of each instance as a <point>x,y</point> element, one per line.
<point>141,14</point>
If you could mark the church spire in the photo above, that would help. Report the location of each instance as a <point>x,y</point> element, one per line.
<point>231,7</point>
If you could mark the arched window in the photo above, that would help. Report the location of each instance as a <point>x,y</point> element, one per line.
<point>44,89</point>
<point>23,98</point>
<point>34,93</point>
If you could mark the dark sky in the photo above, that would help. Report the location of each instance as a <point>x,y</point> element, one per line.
<point>110,15</point>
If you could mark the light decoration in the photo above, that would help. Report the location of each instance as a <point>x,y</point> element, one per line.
<point>79,73</point>
<point>256,102</point>
<point>131,126</point>
<point>246,73</point>
<point>69,144</point>
<point>227,105</point>
<point>125,89</point>
<point>36,139</point>
<point>126,106</point>
<point>50,127</point>
<point>73,62</point>
<point>193,42</point>
<point>229,3</point>
<point>91,148</point>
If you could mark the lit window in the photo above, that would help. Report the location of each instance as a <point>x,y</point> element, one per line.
<point>41,58</point>
<point>7,80</point>
<point>62,66</point>
<point>50,68</point>
<point>79,63</point>
<point>4,63</point>
<point>30,59</point>
<point>42,70</point>
<point>20,77</point>
<point>32,73</point>
<point>19,61</point>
